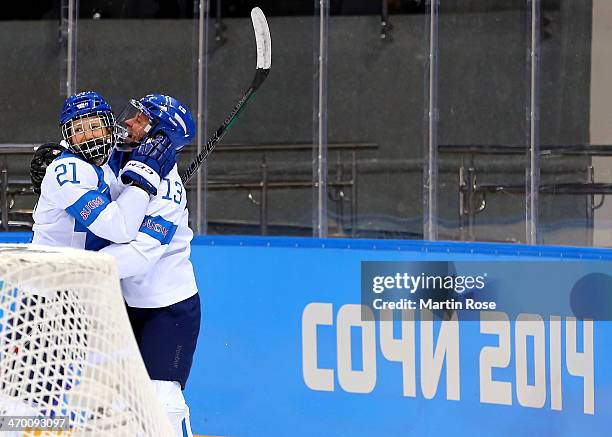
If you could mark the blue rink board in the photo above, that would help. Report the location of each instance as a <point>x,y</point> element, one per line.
<point>247,378</point>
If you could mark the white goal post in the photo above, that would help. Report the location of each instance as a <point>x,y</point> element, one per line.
<point>66,345</point>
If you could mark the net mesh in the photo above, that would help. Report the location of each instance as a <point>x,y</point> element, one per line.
<point>66,345</point>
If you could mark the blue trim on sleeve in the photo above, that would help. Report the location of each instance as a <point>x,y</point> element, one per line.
<point>158,228</point>
<point>92,241</point>
<point>88,207</point>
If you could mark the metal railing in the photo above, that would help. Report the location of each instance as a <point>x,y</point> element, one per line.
<point>12,187</point>
<point>473,195</point>
<point>14,184</point>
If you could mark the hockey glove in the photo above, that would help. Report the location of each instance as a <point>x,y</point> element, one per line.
<point>150,163</point>
<point>43,156</point>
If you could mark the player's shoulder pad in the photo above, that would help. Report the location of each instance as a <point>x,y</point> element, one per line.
<point>69,169</point>
<point>174,174</point>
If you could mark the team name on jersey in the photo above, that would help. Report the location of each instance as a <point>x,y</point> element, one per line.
<point>90,206</point>
<point>155,227</point>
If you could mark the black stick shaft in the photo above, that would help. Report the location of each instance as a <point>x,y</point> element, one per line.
<point>260,76</point>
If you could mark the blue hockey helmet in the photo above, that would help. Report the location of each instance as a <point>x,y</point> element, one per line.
<point>88,125</point>
<point>165,115</point>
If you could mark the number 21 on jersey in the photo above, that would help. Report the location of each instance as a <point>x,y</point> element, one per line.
<point>63,175</point>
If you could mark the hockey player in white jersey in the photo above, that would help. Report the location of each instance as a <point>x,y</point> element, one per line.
<point>157,278</point>
<point>76,206</point>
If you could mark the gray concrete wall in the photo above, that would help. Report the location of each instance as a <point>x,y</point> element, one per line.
<point>377,93</point>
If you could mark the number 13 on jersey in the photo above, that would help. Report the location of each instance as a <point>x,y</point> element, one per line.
<point>177,193</point>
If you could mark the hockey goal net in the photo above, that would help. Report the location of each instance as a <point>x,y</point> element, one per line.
<point>66,346</point>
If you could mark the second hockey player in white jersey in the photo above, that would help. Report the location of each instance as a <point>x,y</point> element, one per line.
<point>164,235</point>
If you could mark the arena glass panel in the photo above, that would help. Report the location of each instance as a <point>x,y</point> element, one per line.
<point>33,51</point>
<point>483,130</point>
<point>575,123</point>
<point>31,80</point>
<point>259,179</point>
<point>376,101</point>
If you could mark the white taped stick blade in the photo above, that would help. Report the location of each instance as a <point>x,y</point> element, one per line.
<point>262,39</point>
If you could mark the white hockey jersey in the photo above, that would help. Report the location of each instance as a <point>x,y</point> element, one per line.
<point>75,208</point>
<point>154,268</point>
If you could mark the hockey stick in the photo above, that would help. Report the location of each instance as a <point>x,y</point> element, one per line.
<point>264,61</point>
